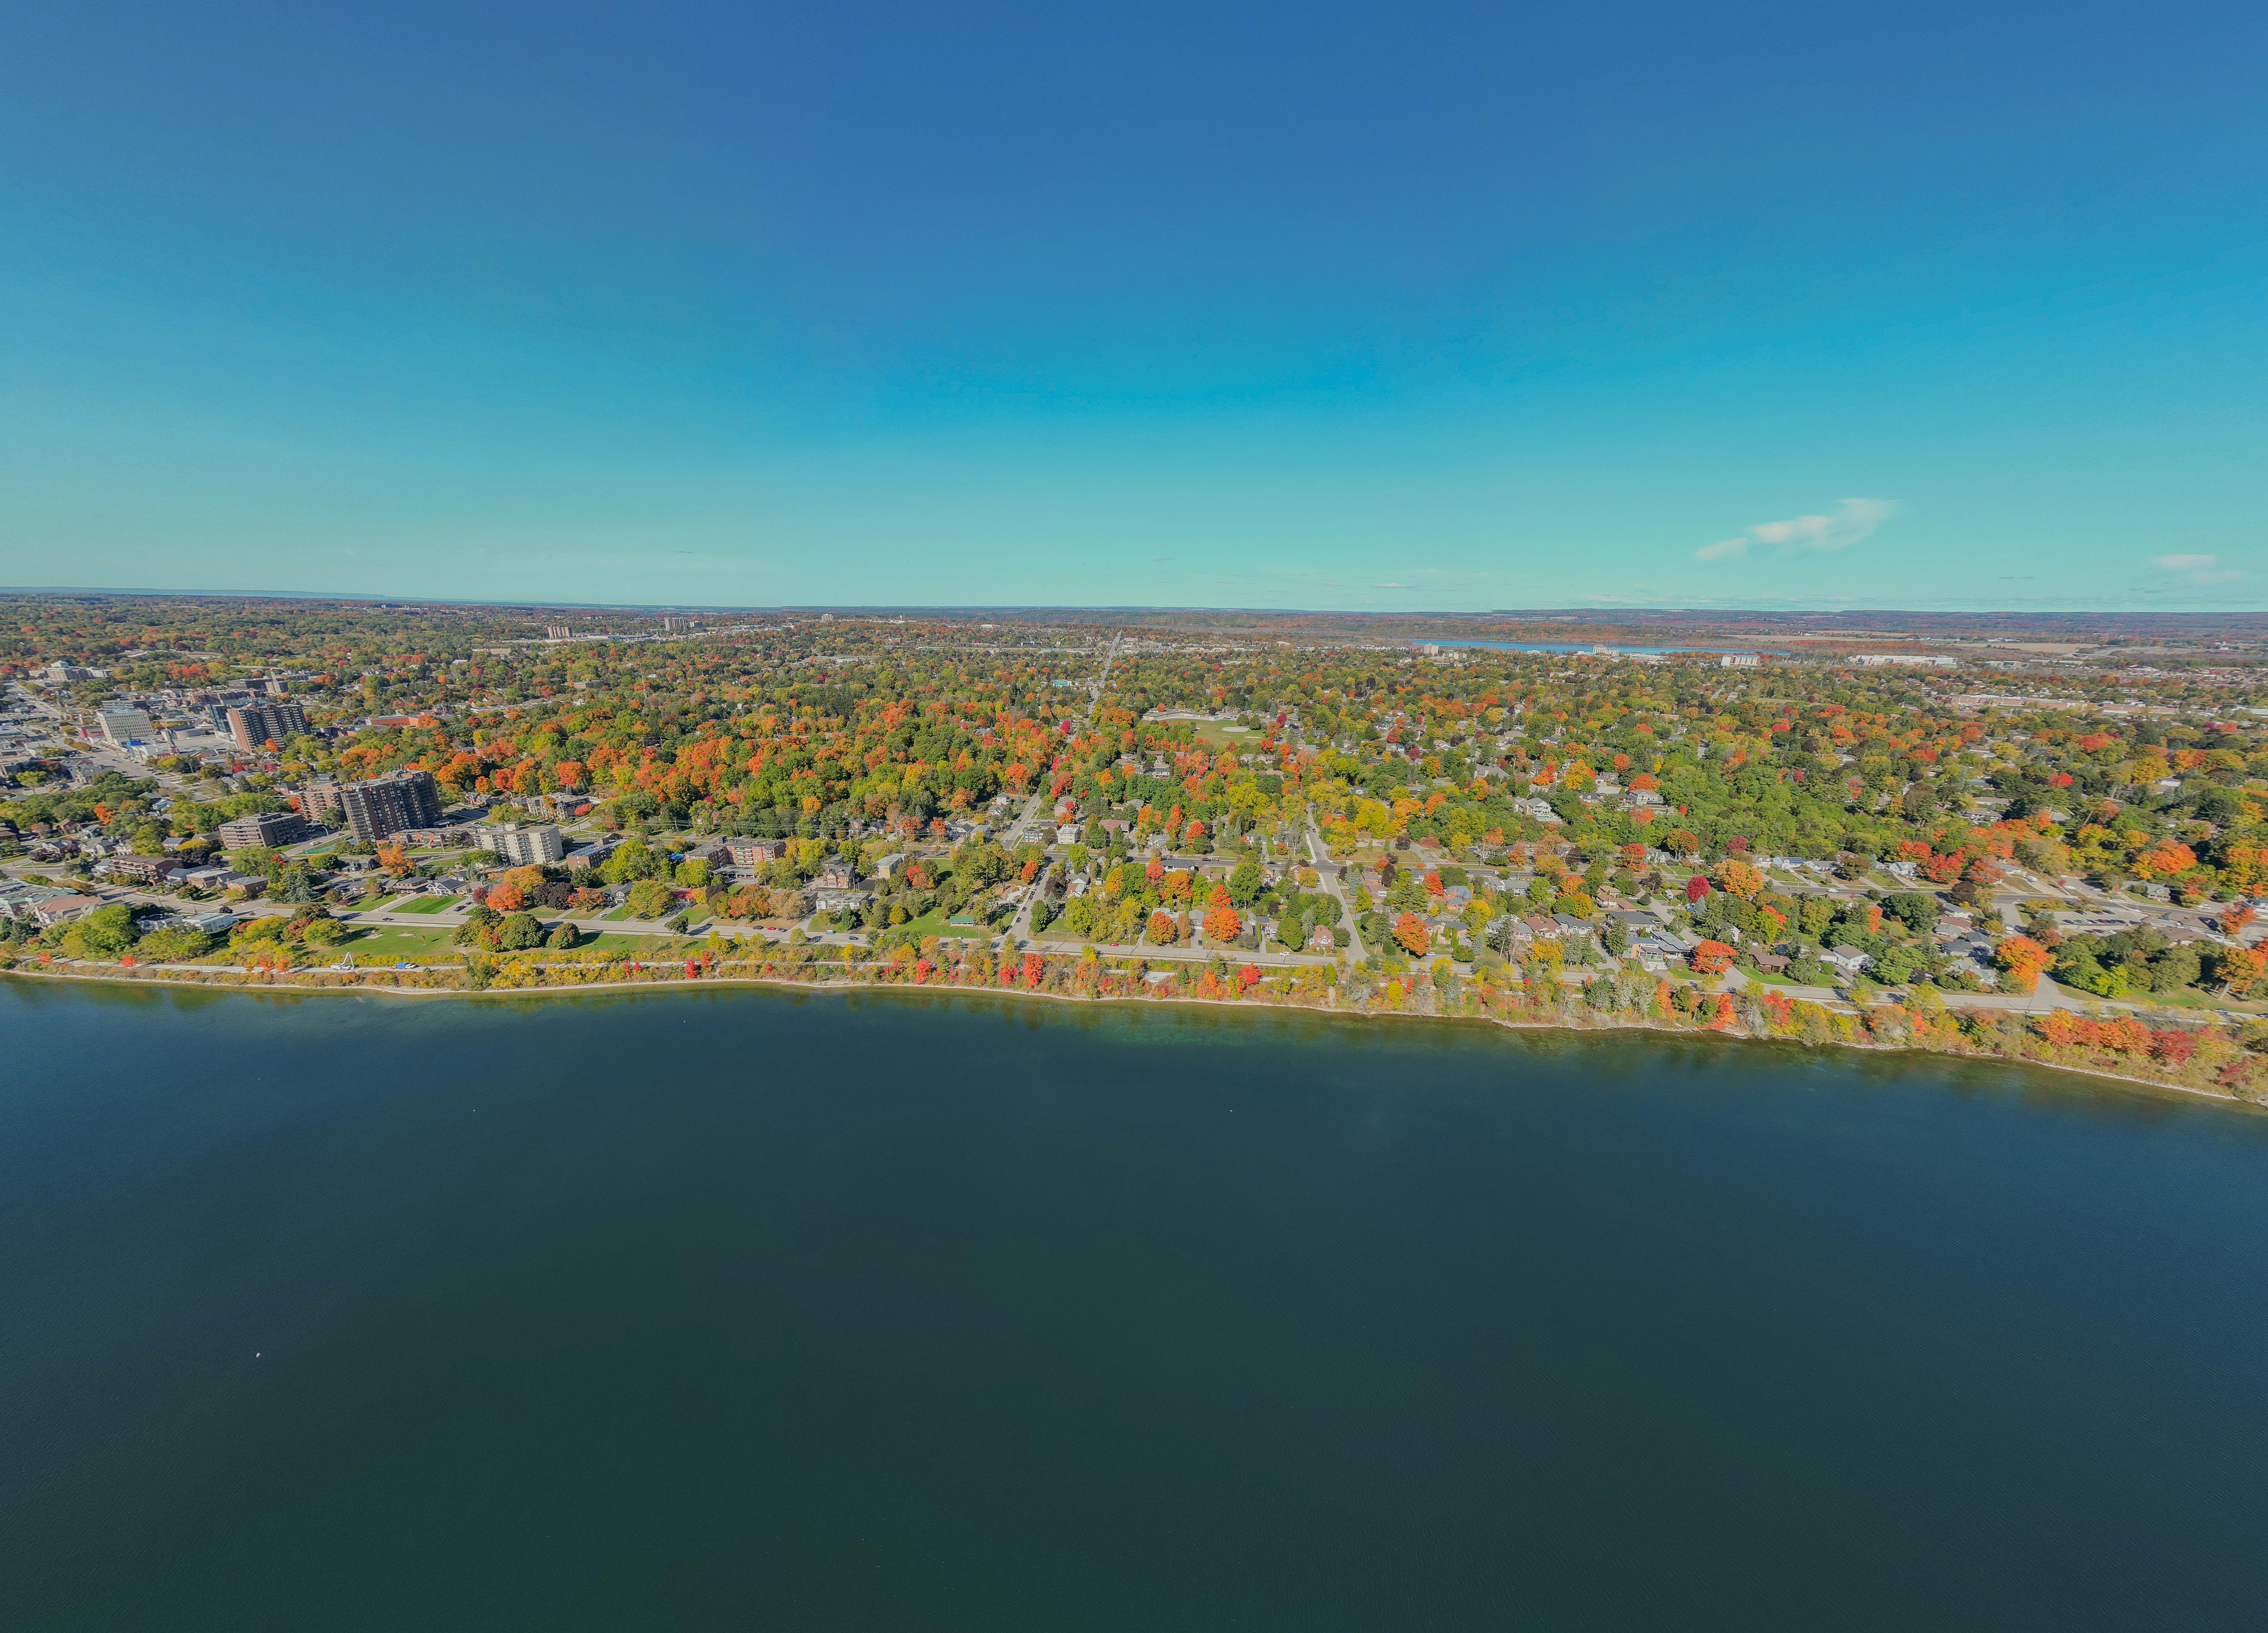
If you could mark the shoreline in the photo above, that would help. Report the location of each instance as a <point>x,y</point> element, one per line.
<point>2099,1074</point>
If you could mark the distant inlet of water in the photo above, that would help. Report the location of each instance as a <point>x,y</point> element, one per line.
<point>738,1308</point>
<point>1600,646</point>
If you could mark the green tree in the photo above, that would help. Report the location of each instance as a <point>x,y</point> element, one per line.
<point>649,898</point>
<point>103,933</point>
<point>635,860</point>
<point>1244,883</point>
<point>174,944</point>
<point>518,933</point>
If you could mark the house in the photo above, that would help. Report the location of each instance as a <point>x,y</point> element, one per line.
<point>1847,961</point>
<point>839,873</point>
<point>58,909</point>
<point>1770,963</point>
<point>19,901</point>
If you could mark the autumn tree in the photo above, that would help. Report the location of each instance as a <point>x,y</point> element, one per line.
<point>1742,878</point>
<point>2024,960</point>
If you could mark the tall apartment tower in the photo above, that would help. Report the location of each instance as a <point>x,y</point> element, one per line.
<point>388,804</point>
<point>275,721</point>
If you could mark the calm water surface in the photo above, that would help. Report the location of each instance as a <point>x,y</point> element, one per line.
<point>741,1309</point>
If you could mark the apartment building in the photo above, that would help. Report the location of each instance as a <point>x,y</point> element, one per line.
<point>522,845</point>
<point>264,829</point>
<point>388,806</point>
<point>256,723</point>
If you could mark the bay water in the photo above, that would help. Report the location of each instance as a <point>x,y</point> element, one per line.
<point>738,1308</point>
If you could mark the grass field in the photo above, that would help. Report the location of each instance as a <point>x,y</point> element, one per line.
<point>1215,734</point>
<point>394,942</point>
<point>611,941</point>
<point>427,904</point>
<point>935,923</point>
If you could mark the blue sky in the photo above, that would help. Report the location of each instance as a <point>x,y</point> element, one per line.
<point>1385,307</point>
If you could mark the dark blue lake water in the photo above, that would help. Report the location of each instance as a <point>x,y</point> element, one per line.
<point>737,1309</point>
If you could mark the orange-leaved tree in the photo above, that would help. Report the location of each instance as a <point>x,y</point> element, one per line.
<point>1713,958</point>
<point>1740,877</point>
<point>1410,931</point>
<point>2024,960</point>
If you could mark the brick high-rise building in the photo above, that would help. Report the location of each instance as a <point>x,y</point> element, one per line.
<point>385,806</point>
<point>256,723</point>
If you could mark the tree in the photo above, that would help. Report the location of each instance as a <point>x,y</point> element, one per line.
<point>105,933</point>
<point>563,936</point>
<point>1223,924</point>
<point>174,946</point>
<point>634,860</point>
<point>2024,960</point>
<point>1916,909</point>
<point>1713,958</point>
<point>1244,883</point>
<point>1412,932</point>
<point>1742,878</point>
<point>649,898</point>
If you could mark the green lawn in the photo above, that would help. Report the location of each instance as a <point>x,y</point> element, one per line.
<point>610,941</point>
<point>391,942</point>
<point>1215,734</point>
<point>934,922</point>
<point>615,916</point>
<point>427,904</point>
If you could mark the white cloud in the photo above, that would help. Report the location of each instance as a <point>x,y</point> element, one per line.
<point>2200,569</point>
<point>1852,520</point>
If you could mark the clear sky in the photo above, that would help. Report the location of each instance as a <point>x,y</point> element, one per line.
<point>1386,306</point>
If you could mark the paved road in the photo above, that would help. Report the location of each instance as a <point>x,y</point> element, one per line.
<point>1329,871</point>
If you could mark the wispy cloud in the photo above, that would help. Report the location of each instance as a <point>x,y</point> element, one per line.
<point>2199,568</point>
<point>1852,520</point>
